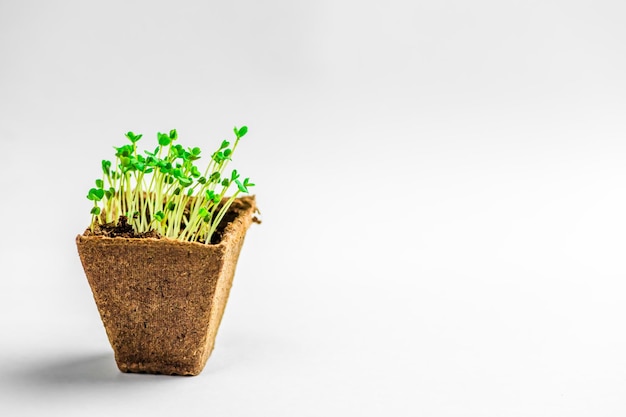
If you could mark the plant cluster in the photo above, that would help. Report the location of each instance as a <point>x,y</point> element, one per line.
<point>164,190</point>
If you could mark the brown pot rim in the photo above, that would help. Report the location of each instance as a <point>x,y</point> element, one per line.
<point>246,215</point>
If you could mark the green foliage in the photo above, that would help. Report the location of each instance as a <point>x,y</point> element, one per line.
<point>164,189</point>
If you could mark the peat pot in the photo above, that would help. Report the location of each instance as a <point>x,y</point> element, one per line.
<point>161,300</point>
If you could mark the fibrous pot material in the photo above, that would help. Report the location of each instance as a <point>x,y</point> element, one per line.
<point>161,300</point>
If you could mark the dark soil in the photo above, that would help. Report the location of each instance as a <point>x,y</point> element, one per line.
<point>123,229</point>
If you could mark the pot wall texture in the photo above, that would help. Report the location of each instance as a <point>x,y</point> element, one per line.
<point>161,300</point>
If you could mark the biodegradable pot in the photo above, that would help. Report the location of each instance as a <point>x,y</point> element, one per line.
<point>161,300</point>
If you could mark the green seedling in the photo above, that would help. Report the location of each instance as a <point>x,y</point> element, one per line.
<point>165,191</point>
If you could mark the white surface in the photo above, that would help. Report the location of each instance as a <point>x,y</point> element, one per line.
<point>442,187</point>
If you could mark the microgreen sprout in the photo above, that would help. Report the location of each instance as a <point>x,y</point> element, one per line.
<point>165,191</point>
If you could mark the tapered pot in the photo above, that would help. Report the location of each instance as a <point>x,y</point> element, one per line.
<point>161,300</point>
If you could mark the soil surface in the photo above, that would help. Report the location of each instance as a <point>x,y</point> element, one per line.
<point>123,229</point>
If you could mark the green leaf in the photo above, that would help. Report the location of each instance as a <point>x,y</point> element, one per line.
<point>185,182</point>
<point>134,138</point>
<point>218,157</point>
<point>173,134</point>
<point>125,150</point>
<point>247,183</point>
<point>164,140</point>
<point>224,144</point>
<point>178,151</point>
<point>95,194</point>
<point>242,131</point>
<point>234,175</point>
<point>159,216</point>
<point>171,205</point>
<point>99,183</point>
<point>225,182</point>
<point>95,211</point>
<point>196,151</point>
<point>241,187</point>
<point>106,166</point>
<point>203,212</point>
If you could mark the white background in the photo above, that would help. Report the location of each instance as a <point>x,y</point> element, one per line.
<point>442,189</point>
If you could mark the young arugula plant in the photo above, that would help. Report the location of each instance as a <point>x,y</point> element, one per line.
<point>165,191</point>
